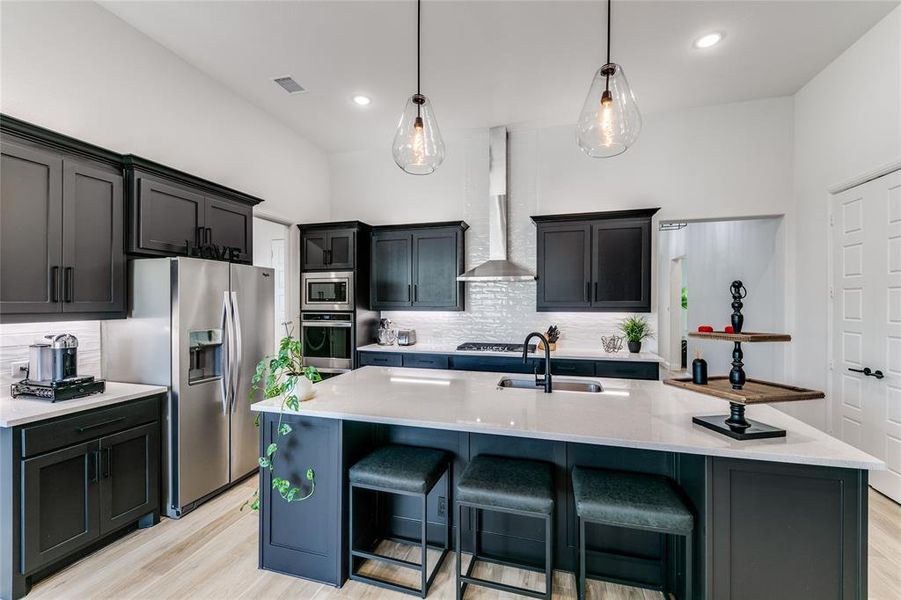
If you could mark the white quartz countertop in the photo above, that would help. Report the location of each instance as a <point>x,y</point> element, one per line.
<point>628,413</point>
<point>21,410</point>
<point>561,352</point>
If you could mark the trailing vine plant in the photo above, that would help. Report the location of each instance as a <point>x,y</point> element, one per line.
<point>277,376</point>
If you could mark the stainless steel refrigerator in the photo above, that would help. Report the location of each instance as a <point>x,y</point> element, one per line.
<point>199,327</point>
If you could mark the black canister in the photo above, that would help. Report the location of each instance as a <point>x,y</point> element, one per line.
<point>64,349</point>
<point>699,371</point>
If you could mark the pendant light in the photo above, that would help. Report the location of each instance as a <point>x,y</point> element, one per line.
<point>610,121</point>
<point>418,148</point>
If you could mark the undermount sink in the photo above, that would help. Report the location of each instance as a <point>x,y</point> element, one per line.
<point>589,387</point>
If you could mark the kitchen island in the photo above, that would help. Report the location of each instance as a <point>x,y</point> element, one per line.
<point>791,510</point>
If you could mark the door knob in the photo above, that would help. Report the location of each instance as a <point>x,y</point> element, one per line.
<point>869,372</point>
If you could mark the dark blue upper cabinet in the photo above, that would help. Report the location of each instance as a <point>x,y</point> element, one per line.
<point>595,261</point>
<point>415,267</point>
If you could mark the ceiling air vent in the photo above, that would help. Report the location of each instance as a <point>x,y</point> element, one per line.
<point>289,85</point>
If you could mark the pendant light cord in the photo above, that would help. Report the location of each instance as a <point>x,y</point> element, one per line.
<point>419,45</point>
<point>609,6</point>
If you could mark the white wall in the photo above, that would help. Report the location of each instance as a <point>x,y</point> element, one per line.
<point>75,68</point>
<point>713,162</point>
<point>847,122</point>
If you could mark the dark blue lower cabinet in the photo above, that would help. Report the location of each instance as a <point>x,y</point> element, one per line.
<point>426,361</point>
<point>621,369</point>
<point>624,369</point>
<point>380,359</point>
<point>303,538</point>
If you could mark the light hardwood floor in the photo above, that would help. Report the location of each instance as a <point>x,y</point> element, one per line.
<point>212,553</point>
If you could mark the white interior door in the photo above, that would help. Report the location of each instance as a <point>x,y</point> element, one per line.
<point>270,249</point>
<point>866,376</point>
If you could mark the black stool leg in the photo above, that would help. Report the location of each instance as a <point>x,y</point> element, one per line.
<point>425,540</point>
<point>581,581</point>
<point>350,529</point>
<point>548,556</point>
<point>459,549</point>
<point>689,569</point>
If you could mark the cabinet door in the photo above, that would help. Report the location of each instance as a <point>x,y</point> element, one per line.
<point>230,224</point>
<point>129,476</point>
<point>166,217</point>
<point>392,266</point>
<point>314,246</point>
<point>93,246</point>
<point>564,267</point>
<point>621,265</point>
<point>60,504</point>
<point>30,230</point>
<point>340,249</point>
<point>436,265</point>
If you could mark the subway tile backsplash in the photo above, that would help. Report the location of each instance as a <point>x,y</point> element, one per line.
<point>15,339</point>
<point>504,311</point>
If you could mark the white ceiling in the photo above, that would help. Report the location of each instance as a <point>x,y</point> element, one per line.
<point>494,62</point>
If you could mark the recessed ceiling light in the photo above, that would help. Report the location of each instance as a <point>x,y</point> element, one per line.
<point>708,40</point>
<point>362,100</point>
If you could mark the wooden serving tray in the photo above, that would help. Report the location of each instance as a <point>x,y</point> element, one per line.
<point>745,336</point>
<point>755,391</point>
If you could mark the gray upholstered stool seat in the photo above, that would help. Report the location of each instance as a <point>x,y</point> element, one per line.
<point>525,485</point>
<point>511,485</point>
<point>407,471</point>
<point>632,500</point>
<point>401,468</point>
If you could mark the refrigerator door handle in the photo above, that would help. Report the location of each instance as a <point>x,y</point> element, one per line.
<point>225,378</point>
<point>239,350</point>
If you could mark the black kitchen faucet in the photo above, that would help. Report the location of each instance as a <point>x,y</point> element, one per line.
<point>546,380</point>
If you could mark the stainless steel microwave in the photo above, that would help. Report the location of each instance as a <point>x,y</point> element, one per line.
<point>327,291</point>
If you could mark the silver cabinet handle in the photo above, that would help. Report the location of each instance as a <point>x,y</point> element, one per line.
<point>225,378</point>
<point>239,351</point>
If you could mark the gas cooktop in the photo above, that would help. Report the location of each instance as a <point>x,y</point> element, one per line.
<point>492,347</point>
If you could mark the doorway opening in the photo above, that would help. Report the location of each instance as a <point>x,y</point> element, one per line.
<point>699,260</point>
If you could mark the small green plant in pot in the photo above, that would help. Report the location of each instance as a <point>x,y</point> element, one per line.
<point>284,376</point>
<point>636,329</point>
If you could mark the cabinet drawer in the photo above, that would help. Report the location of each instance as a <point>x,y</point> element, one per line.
<point>626,370</point>
<point>425,361</point>
<point>380,359</point>
<point>494,364</point>
<point>580,368</point>
<point>45,437</point>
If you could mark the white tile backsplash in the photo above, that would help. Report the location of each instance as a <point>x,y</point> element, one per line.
<point>15,339</point>
<point>504,311</point>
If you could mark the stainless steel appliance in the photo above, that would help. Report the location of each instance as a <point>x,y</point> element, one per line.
<point>328,340</point>
<point>53,360</point>
<point>199,327</point>
<point>493,347</point>
<point>406,337</point>
<point>64,353</point>
<point>40,361</point>
<point>331,291</point>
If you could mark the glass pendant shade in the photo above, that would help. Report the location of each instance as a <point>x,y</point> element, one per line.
<point>418,148</point>
<point>610,121</point>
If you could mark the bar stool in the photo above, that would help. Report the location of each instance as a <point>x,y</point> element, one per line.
<point>509,485</point>
<point>632,501</point>
<point>406,471</point>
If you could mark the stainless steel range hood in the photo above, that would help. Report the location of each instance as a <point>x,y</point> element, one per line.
<point>497,267</point>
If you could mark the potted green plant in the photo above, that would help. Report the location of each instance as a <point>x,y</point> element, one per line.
<point>284,376</point>
<point>636,329</point>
